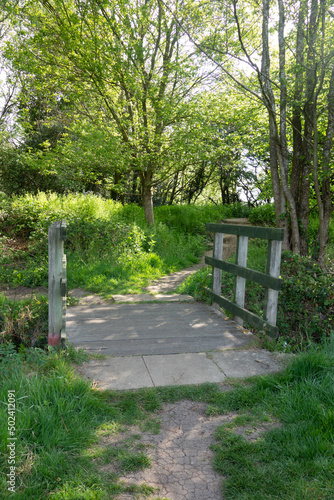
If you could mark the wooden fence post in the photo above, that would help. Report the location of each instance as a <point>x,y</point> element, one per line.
<point>240,283</point>
<point>273,269</point>
<point>217,273</point>
<point>57,284</point>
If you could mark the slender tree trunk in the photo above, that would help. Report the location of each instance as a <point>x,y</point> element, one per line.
<point>174,186</point>
<point>310,118</point>
<point>114,193</point>
<point>297,132</point>
<point>279,197</point>
<point>147,196</point>
<point>282,148</point>
<point>278,137</point>
<point>324,195</point>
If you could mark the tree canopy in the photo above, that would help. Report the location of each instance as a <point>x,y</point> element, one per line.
<point>126,62</point>
<point>282,54</point>
<point>185,100</point>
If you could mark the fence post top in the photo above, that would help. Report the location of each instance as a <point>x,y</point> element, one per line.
<point>61,225</point>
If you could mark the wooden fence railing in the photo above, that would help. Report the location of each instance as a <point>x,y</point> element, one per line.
<point>270,280</point>
<point>57,284</point>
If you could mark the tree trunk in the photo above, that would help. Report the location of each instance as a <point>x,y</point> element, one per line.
<point>278,137</point>
<point>279,197</point>
<point>174,186</point>
<point>147,197</point>
<point>310,118</point>
<point>297,107</point>
<point>325,202</point>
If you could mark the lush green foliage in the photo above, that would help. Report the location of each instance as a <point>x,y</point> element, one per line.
<point>135,120</point>
<point>263,214</point>
<point>306,302</point>
<point>193,218</point>
<point>109,247</point>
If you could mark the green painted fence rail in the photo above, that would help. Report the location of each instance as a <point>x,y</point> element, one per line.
<point>270,280</point>
<point>249,274</point>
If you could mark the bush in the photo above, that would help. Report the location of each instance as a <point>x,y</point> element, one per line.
<point>306,300</point>
<point>92,223</point>
<point>30,216</point>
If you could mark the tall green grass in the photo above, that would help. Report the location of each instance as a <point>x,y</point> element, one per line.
<point>24,322</point>
<point>59,421</point>
<point>63,426</point>
<point>295,459</point>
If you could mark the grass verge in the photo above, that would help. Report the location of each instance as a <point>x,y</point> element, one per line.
<point>60,421</point>
<point>291,461</point>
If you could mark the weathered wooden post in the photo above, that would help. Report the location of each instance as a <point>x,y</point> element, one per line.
<point>273,269</point>
<point>240,283</point>
<point>57,284</point>
<point>218,243</point>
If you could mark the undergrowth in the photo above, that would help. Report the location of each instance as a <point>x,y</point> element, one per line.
<point>110,248</point>
<point>24,323</point>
